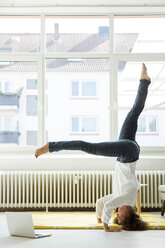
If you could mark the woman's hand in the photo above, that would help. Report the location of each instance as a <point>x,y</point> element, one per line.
<point>112,230</point>
<point>107,229</point>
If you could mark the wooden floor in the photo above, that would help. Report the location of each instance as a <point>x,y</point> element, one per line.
<point>84,238</point>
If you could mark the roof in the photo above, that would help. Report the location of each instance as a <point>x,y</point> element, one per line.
<point>67,43</point>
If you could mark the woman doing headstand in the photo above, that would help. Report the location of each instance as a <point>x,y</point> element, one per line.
<point>126,149</point>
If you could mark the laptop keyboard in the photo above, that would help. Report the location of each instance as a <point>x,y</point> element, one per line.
<point>38,234</point>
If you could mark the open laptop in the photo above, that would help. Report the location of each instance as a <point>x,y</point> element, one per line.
<point>21,224</point>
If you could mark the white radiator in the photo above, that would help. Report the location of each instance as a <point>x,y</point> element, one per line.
<point>69,189</point>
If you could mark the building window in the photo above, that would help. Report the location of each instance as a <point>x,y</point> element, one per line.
<point>84,124</point>
<point>84,88</point>
<point>75,88</point>
<point>88,88</point>
<point>32,138</point>
<point>5,123</point>
<point>75,124</point>
<point>32,105</point>
<point>31,84</point>
<point>147,124</point>
<point>5,86</point>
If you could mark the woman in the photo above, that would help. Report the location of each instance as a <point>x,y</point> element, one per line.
<point>126,149</point>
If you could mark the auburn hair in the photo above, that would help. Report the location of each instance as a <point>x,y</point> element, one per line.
<point>132,222</point>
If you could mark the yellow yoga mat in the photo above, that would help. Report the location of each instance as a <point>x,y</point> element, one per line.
<point>84,220</point>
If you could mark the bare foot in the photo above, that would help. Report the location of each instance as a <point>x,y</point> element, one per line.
<point>99,220</point>
<point>144,74</point>
<point>42,150</point>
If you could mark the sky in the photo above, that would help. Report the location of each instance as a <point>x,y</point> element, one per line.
<point>84,25</point>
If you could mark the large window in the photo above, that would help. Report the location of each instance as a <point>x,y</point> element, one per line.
<point>75,76</point>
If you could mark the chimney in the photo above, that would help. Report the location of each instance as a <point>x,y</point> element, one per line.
<point>56,32</point>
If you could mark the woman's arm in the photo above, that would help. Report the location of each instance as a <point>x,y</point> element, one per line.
<point>125,199</point>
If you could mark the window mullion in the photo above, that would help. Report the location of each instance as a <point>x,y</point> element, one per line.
<point>113,108</point>
<point>41,88</point>
<point>82,55</point>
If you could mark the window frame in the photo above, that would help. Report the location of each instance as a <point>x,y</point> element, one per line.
<point>114,58</point>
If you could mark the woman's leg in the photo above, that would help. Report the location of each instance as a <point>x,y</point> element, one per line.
<point>129,128</point>
<point>125,149</point>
